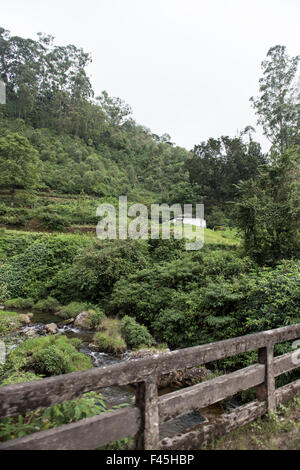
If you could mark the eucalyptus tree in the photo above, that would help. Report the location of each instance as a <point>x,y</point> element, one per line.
<point>278,105</point>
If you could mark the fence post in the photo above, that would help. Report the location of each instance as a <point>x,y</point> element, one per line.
<point>146,398</point>
<point>266,391</point>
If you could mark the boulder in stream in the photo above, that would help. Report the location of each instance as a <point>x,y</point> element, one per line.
<point>83,321</point>
<point>25,319</point>
<point>30,333</point>
<point>51,328</point>
<point>93,347</point>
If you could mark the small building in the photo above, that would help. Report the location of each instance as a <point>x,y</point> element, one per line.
<point>190,220</point>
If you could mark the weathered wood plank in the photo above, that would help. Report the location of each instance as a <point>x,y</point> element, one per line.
<point>203,433</point>
<point>87,434</point>
<point>17,399</point>
<point>151,431</point>
<point>98,431</point>
<point>266,390</point>
<point>147,400</point>
<point>284,364</point>
<point>287,392</point>
<point>206,393</point>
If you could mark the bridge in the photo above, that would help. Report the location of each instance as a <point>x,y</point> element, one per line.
<point>142,419</point>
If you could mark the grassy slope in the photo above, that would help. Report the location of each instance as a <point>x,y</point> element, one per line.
<point>210,237</point>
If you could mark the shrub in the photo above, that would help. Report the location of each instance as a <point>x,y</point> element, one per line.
<point>97,269</point>
<point>95,318</point>
<point>31,271</point>
<point>90,404</point>
<point>51,220</point>
<point>134,334</point>
<point>51,361</point>
<point>3,292</point>
<point>9,321</point>
<point>109,344</point>
<point>48,355</point>
<point>175,328</point>
<point>18,377</point>
<point>19,303</point>
<point>166,250</point>
<point>47,305</point>
<point>72,309</point>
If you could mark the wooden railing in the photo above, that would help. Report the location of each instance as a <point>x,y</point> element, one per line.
<point>144,418</point>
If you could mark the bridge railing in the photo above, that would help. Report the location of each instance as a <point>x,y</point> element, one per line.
<point>144,417</point>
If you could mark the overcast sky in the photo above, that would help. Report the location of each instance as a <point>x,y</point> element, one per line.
<point>186,67</point>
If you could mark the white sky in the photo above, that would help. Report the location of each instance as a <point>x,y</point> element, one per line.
<point>186,67</point>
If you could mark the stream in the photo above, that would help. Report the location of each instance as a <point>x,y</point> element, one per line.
<point>118,395</point>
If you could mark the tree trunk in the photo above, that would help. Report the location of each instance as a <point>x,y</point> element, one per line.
<point>12,201</point>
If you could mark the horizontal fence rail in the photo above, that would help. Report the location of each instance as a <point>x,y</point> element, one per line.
<point>143,419</point>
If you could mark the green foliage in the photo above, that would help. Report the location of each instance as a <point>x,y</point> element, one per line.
<point>72,309</point>
<point>277,106</point>
<point>9,321</point>
<point>268,212</point>
<point>108,343</point>
<point>96,270</point>
<point>91,404</point>
<point>19,303</point>
<point>94,314</point>
<point>47,305</point>
<point>51,361</point>
<point>96,318</point>
<point>148,291</point>
<point>18,163</point>
<point>109,339</point>
<point>134,334</point>
<point>176,328</point>
<point>19,377</point>
<point>216,218</point>
<point>50,355</point>
<point>28,273</point>
<point>218,165</point>
<point>3,292</point>
<point>209,296</point>
<point>166,250</point>
<point>84,144</point>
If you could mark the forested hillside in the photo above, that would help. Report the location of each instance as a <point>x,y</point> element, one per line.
<point>90,145</point>
<point>84,143</point>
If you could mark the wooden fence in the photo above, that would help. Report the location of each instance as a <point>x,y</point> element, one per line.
<point>143,419</point>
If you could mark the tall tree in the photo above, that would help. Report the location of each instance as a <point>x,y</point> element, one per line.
<point>116,110</point>
<point>278,107</point>
<point>268,211</point>
<point>220,164</point>
<point>18,164</point>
